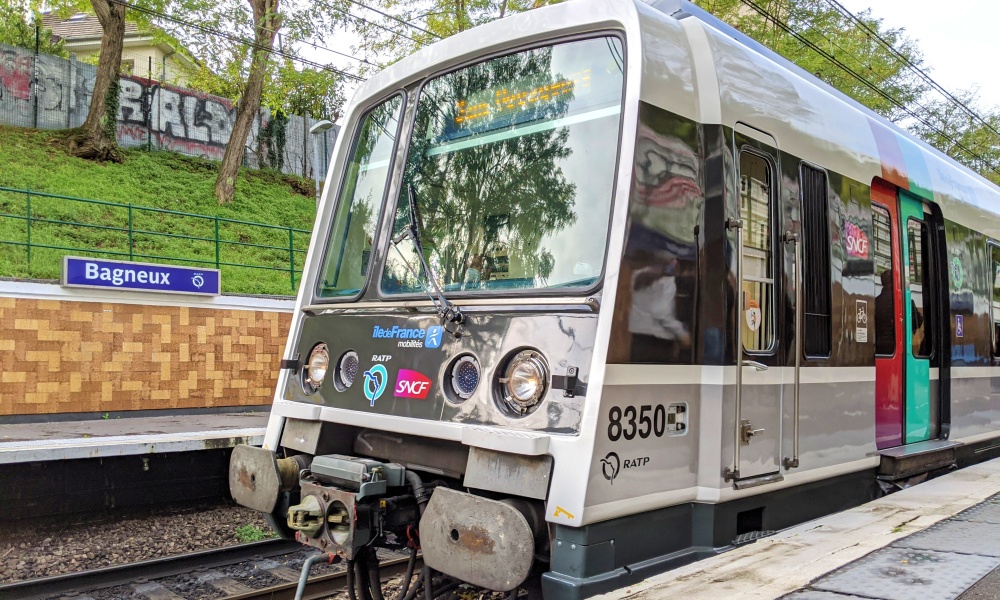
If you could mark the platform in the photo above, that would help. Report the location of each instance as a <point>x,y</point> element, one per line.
<point>104,438</point>
<point>932,541</point>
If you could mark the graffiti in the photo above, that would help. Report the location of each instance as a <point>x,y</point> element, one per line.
<point>48,92</point>
<point>15,81</point>
<point>179,119</point>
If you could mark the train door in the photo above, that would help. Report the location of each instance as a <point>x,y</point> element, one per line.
<point>921,407</point>
<point>889,339</point>
<point>759,381</point>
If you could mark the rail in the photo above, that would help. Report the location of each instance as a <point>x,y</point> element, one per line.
<point>122,231</point>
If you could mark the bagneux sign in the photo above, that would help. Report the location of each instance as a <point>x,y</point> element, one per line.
<point>139,277</point>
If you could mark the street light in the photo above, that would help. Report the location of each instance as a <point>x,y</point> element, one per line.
<point>320,127</point>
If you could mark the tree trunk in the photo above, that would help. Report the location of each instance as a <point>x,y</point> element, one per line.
<point>265,18</point>
<point>96,139</point>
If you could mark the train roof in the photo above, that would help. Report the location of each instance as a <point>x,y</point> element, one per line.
<point>910,163</point>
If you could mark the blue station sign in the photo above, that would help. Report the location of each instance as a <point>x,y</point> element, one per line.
<point>140,277</point>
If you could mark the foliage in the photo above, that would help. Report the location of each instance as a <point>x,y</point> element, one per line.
<point>251,533</point>
<point>317,93</point>
<point>882,81</point>
<point>950,129</point>
<point>824,26</point>
<point>386,39</point>
<point>154,179</point>
<point>15,30</point>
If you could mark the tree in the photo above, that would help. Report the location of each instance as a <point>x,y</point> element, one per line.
<point>96,139</point>
<point>266,22</point>
<point>15,30</point>
<point>949,128</point>
<point>839,37</point>
<point>397,28</point>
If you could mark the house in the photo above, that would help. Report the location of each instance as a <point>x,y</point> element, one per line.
<point>145,54</point>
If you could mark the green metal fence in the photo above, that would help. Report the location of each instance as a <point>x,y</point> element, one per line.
<point>37,229</point>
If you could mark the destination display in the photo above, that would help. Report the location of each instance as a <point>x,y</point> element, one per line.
<point>139,277</point>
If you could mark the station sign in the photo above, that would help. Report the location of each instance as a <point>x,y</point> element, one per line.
<point>139,277</point>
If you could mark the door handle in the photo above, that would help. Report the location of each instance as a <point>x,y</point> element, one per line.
<point>755,364</point>
<point>747,431</point>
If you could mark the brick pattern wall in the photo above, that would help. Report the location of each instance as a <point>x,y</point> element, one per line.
<point>62,356</point>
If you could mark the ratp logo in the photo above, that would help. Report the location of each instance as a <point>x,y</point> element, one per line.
<point>197,280</point>
<point>376,379</point>
<point>610,465</point>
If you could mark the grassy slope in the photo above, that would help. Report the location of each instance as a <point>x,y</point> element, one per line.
<point>30,159</point>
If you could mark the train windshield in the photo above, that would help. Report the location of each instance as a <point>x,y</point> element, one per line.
<point>511,166</point>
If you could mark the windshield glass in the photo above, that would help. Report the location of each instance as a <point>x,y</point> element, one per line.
<point>512,164</point>
<point>345,268</point>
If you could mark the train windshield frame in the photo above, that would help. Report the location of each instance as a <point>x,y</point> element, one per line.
<point>512,166</point>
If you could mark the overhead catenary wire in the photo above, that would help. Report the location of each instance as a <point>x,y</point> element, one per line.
<point>372,23</point>
<point>864,81</point>
<point>237,39</point>
<point>395,18</point>
<point>914,67</point>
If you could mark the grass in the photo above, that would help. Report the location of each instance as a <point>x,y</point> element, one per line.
<point>33,160</point>
<point>251,533</point>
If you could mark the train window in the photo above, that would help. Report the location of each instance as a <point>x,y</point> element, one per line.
<point>885,296</point>
<point>348,251</point>
<point>995,296</point>
<point>918,256</point>
<point>816,262</point>
<point>511,169</point>
<point>756,178</point>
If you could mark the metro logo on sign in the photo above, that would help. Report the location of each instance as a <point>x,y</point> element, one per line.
<point>412,384</point>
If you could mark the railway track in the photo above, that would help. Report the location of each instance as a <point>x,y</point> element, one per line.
<point>261,570</point>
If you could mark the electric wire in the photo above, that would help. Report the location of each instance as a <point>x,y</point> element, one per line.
<point>912,66</point>
<point>861,79</point>
<point>372,23</point>
<point>395,18</point>
<point>239,40</point>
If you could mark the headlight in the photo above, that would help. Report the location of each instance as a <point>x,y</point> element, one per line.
<point>317,366</point>
<point>347,369</point>
<point>465,377</point>
<point>524,382</point>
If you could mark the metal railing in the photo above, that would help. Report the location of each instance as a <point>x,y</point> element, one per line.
<point>273,252</point>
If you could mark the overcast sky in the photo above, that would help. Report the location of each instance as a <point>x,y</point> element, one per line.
<point>958,38</point>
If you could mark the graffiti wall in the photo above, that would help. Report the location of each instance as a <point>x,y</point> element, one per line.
<point>48,92</point>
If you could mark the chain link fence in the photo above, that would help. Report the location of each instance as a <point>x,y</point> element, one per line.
<point>48,92</point>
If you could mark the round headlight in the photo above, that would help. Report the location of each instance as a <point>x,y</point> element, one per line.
<point>465,376</point>
<point>318,365</point>
<point>524,382</point>
<point>347,370</point>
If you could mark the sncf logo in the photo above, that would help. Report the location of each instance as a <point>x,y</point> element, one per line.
<point>411,384</point>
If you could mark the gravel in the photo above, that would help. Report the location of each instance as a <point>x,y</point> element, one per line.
<point>40,549</point>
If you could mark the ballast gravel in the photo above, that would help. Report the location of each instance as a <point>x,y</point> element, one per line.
<point>32,549</point>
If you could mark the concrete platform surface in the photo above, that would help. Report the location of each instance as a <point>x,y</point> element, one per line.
<point>98,438</point>
<point>820,559</point>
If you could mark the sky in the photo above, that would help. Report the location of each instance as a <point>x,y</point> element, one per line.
<point>958,39</point>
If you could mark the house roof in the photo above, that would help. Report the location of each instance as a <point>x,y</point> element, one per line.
<point>80,26</point>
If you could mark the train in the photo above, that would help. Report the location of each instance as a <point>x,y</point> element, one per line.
<point>606,287</point>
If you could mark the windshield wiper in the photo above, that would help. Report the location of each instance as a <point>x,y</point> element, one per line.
<point>448,311</point>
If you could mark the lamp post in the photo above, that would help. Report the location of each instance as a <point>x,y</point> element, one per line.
<point>320,127</point>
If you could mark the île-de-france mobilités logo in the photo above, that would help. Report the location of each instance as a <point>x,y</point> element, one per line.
<point>376,380</point>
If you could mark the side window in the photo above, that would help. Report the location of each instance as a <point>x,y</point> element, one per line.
<point>885,296</point>
<point>995,296</point>
<point>756,180</point>
<point>352,233</point>
<point>816,262</point>
<point>919,280</point>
